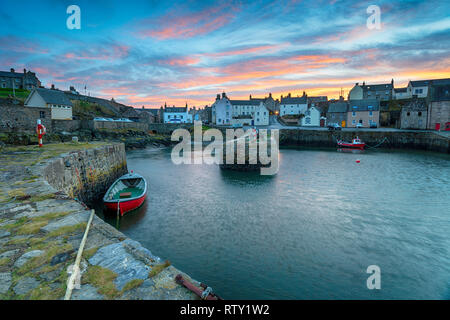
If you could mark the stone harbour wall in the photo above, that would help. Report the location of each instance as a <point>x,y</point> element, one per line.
<point>87,174</point>
<point>417,140</point>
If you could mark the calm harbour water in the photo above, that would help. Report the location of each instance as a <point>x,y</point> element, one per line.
<point>309,232</point>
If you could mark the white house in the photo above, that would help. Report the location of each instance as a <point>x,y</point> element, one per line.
<point>221,110</point>
<point>311,118</point>
<point>243,112</point>
<point>418,88</point>
<point>293,106</point>
<point>57,101</point>
<point>177,115</point>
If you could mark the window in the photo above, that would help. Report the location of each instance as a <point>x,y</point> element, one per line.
<point>308,120</point>
<point>408,114</point>
<point>3,85</point>
<point>420,114</point>
<point>353,121</point>
<point>370,113</point>
<point>42,114</point>
<point>353,114</point>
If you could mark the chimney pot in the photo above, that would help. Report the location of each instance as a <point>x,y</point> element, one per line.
<point>53,87</point>
<point>12,70</point>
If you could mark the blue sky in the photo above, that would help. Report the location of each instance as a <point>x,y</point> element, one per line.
<point>152,52</point>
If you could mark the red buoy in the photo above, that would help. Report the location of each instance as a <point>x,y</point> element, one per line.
<point>358,161</point>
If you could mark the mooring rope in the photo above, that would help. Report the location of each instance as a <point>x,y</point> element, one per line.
<point>76,266</point>
<point>379,144</point>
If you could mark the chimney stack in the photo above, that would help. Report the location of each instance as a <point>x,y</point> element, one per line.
<point>218,96</point>
<point>24,71</point>
<point>53,87</point>
<point>223,95</point>
<point>12,70</point>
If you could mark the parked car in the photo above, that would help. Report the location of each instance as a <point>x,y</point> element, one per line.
<point>334,126</point>
<point>359,125</point>
<point>100,119</point>
<point>236,125</point>
<point>373,125</point>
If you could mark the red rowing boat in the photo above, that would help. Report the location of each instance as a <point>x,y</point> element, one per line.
<point>355,144</point>
<point>126,193</point>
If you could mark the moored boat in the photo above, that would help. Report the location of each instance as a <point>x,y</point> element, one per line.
<point>355,144</point>
<point>126,193</point>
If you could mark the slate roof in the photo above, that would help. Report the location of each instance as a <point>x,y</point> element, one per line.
<point>377,87</point>
<point>440,92</point>
<point>153,111</point>
<point>420,83</point>
<point>400,89</point>
<point>338,107</point>
<point>11,74</point>
<point>364,105</point>
<point>175,109</point>
<point>53,96</point>
<point>253,102</point>
<point>294,100</point>
<point>424,83</point>
<point>416,105</point>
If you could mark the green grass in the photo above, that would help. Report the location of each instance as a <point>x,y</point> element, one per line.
<point>88,110</point>
<point>156,269</point>
<point>20,93</point>
<point>103,280</point>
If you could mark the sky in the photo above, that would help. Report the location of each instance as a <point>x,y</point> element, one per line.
<point>147,53</point>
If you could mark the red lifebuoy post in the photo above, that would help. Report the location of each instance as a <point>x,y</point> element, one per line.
<point>40,130</point>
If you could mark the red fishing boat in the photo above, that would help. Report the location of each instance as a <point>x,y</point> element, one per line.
<point>355,144</point>
<point>126,193</point>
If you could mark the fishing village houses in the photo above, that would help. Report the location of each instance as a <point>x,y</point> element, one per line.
<point>421,105</point>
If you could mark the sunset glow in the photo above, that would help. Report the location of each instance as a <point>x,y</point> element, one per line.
<point>145,54</point>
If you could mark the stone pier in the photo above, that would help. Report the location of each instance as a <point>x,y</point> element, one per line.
<point>41,227</point>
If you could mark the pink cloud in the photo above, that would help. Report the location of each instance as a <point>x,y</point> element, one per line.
<point>174,26</point>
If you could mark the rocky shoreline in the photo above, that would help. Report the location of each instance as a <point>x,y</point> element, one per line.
<point>41,229</point>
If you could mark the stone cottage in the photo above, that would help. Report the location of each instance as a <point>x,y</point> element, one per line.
<point>26,80</point>
<point>414,114</point>
<point>55,100</point>
<point>337,112</point>
<point>366,112</point>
